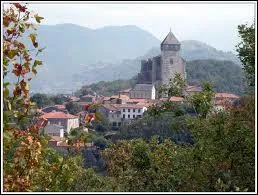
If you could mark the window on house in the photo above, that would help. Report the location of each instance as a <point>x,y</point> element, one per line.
<point>119,124</point>
<point>133,110</point>
<point>139,110</point>
<point>123,115</point>
<point>128,110</point>
<point>133,116</point>
<point>128,115</point>
<point>123,110</point>
<point>114,124</point>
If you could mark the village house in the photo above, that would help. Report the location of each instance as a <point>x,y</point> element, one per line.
<point>73,98</point>
<point>190,90</point>
<point>132,111</point>
<point>177,100</point>
<point>112,113</point>
<point>223,101</point>
<point>57,108</point>
<point>125,92</point>
<point>114,99</point>
<point>87,98</point>
<point>146,91</point>
<point>53,130</point>
<point>60,118</point>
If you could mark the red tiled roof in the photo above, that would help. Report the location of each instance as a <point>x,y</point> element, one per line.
<point>125,91</point>
<point>74,98</point>
<point>56,138</point>
<point>221,103</point>
<point>176,99</point>
<point>124,97</point>
<point>57,115</point>
<point>113,107</point>
<point>193,88</point>
<point>226,95</point>
<point>137,100</point>
<point>88,96</point>
<point>114,96</point>
<point>145,104</point>
<point>106,98</point>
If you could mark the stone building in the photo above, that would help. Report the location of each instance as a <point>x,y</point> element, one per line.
<point>54,130</point>
<point>161,69</point>
<point>68,121</point>
<point>143,91</point>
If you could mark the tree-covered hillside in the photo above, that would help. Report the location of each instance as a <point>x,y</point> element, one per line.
<point>225,76</point>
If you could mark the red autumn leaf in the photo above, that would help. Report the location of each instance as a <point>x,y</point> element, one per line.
<point>27,58</point>
<point>87,107</point>
<point>24,87</point>
<point>25,69</point>
<point>89,118</point>
<point>35,44</point>
<point>17,91</point>
<point>17,69</point>
<point>20,7</point>
<point>6,21</point>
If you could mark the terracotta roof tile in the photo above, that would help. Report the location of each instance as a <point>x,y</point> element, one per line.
<point>56,138</point>
<point>226,95</point>
<point>176,99</point>
<point>57,115</point>
<point>193,88</point>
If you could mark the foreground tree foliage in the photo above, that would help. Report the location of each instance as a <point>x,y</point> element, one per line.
<point>246,51</point>
<point>220,158</point>
<point>28,163</point>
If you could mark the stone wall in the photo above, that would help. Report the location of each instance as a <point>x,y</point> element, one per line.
<point>171,63</point>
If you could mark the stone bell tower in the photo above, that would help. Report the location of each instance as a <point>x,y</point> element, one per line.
<point>171,61</point>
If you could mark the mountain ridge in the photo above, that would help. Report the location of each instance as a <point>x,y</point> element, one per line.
<point>72,49</point>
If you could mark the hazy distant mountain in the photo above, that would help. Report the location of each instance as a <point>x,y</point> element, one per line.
<point>77,55</point>
<point>196,50</point>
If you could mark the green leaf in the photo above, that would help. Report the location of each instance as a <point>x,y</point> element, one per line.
<point>6,93</point>
<point>22,28</point>
<point>34,70</point>
<point>6,84</point>
<point>33,37</point>
<point>38,18</point>
<point>12,53</point>
<point>9,106</point>
<point>37,62</point>
<point>5,61</point>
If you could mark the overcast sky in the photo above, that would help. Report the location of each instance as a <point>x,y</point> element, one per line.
<point>215,24</point>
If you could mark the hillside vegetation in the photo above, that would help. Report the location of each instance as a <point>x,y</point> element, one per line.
<point>225,76</point>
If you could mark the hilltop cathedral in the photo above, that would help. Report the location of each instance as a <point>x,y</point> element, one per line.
<point>160,69</point>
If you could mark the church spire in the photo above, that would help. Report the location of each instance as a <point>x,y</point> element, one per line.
<point>170,39</point>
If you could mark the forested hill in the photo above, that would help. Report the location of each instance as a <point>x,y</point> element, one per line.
<point>225,76</point>
<point>77,55</point>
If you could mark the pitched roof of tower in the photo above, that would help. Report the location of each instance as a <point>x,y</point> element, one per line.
<point>170,39</point>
